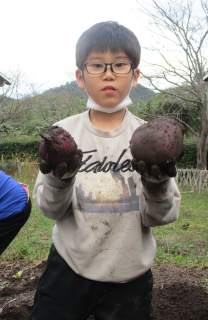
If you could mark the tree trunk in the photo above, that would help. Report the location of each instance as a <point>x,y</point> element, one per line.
<point>202,144</point>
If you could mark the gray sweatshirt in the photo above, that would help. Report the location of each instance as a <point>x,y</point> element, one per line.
<point>103,216</point>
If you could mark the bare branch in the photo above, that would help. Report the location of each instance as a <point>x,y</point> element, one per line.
<point>165,91</point>
<point>14,98</point>
<point>185,27</point>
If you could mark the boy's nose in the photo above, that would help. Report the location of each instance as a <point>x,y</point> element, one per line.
<point>109,74</point>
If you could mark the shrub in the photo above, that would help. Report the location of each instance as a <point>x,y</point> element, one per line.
<point>20,149</point>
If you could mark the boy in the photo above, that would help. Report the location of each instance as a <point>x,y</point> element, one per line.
<point>100,263</point>
<point>15,208</point>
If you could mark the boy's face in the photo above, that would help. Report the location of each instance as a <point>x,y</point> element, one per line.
<point>107,89</point>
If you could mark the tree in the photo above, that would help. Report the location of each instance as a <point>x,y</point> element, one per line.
<point>42,110</point>
<point>165,105</point>
<point>180,26</point>
<point>14,98</point>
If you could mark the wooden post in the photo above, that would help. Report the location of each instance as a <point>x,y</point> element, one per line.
<point>200,180</point>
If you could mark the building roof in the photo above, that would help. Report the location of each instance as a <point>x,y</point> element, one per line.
<point>206,77</point>
<point>4,80</point>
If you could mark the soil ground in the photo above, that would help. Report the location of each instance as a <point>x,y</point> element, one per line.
<point>179,293</point>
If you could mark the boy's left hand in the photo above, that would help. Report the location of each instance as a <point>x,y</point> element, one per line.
<point>156,148</point>
<point>154,173</point>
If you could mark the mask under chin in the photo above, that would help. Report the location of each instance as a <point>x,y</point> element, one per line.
<point>91,104</point>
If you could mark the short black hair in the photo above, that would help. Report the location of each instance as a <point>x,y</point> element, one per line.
<point>108,35</point>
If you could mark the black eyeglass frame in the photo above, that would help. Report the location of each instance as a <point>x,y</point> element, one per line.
<point>108,64</point>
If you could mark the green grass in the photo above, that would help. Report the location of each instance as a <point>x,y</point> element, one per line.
<point>190,139</point>
<point>19,138</point>
<point>183,242</point>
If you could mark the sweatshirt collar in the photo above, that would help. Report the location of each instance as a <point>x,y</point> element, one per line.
<point>106,134</point>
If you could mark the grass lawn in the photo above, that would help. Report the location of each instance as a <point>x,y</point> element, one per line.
<point>184,242</point>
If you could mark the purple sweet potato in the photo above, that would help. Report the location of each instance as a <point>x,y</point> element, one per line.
<point>57,146</point>
<point>160,141</point>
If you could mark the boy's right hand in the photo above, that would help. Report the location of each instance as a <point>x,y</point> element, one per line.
<point>63,168</point>
<point>59,152</point>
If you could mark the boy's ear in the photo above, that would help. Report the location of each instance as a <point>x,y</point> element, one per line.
<point>135,77</point>
<point>80,79</point>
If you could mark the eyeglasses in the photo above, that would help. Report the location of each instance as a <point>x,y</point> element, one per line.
<point>120,67</point>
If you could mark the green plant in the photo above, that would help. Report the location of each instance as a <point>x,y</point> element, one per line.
<point>10,150</point>
<point>206,282</point>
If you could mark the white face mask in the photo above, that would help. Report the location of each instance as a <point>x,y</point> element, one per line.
<point>91,104</point>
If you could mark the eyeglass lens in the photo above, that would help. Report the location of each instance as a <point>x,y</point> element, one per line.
<point>118,67</point>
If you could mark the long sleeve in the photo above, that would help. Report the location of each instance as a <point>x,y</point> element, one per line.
<point>159,203</point>
<point>52,196</point>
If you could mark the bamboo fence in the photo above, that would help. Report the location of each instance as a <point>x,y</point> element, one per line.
<point>192,180</point>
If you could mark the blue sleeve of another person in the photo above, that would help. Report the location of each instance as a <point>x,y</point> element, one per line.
<point>13,196</point>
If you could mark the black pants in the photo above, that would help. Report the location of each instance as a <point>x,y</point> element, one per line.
<point>64,295</point>
<point>9,227</point>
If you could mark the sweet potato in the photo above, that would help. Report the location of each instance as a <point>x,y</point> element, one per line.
<point>57,146</point>
<point>160,141</point>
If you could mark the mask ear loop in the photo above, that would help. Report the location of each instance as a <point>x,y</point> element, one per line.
<point>132,79</point>
<point>82,73</point>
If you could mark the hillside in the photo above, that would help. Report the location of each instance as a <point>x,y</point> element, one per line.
<point>139,93</point>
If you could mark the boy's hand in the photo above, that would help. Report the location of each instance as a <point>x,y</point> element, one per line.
<point>156,148</point>
<point>154,173</point>
<point>59,152</point>
<point>71,168</point>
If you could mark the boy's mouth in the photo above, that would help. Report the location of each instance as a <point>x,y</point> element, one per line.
<point>109,89</point>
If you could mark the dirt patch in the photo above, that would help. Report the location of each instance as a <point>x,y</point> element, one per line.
<point>179,293</point>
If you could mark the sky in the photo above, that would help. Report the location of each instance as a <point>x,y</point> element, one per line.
<point>39,36</point>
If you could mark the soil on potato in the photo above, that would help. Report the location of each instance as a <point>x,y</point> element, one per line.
<point>179,293</point>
